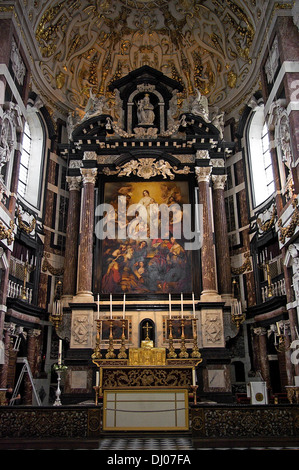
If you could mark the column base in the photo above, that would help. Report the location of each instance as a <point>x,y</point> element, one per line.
<point>67,299</point>
<point>210,296</point>
<point>83,297</point>
<point>227,298</point>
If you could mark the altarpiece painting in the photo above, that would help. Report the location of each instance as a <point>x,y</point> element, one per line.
<point>145,255</point>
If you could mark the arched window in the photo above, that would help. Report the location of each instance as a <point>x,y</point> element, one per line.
<point>24,163</point>
<point>31,164</point>
<point>261,172</point>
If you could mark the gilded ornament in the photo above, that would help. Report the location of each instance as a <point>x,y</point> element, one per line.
<point>287,232</point>
<point>28,228</point>
<point>231,79</point>
<point>264,227</point>
<point>199,40</point>
<point>246,266</point>
<point>46,266</point>
<point>147,168</point>
<point>7,234</point>
<point>60,80</point>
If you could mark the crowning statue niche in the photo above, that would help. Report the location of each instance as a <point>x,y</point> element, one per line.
<point>145,111</point>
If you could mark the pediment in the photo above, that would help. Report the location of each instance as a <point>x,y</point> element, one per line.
<point>145,74</point>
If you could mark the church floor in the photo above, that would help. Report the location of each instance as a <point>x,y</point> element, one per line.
<point>128,443</point>
<point>146,443</point>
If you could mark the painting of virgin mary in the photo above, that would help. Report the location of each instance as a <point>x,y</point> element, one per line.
<point>149,259</point>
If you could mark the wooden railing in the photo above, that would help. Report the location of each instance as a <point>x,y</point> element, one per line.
<point>77,423</point>
<point>245,426</point>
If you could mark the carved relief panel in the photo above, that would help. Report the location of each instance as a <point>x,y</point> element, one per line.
<point>212,328</point>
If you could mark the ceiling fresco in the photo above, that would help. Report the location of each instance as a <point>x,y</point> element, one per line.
<point>206,45</point>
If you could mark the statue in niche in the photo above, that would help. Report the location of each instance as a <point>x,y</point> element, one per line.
<point>145,111</point>
<point>200,107</point>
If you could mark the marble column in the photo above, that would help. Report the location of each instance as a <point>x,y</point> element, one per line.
<point>4,368</point>
<point>221,237</point>
<point>85,257</point>
<point>263,354</point>
<point>72,237</point>
<point>208,262</point>
<point>32,348</point>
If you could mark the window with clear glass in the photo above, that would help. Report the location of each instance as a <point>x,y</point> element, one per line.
<point>261,171</point>
<point>25,159</point>
<point>32,160</point>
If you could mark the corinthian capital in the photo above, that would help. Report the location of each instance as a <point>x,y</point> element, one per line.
<point>89,175</point>
<point>74,182</point>
<point>203,173</point>
<point>219,181</point>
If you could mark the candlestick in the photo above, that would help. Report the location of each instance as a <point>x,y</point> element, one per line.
<point>170,306</point>
<point>110,354</point>
<point>193,304</point>
<point>278,328</point>
<point>172,354</point>
<point>122,350</point>
<point>59,352</point>
<point>58,390</point>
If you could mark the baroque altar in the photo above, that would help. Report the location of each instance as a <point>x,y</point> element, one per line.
<point>142,287</point>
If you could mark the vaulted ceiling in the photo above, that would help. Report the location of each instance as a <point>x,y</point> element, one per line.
<point>211,45</point>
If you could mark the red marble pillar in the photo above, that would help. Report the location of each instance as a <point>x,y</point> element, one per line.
<point>288,37</point>
<point>221,237</point>
<point>72,236</point>
<point>263,355</point>
<point>31,357</point>
<point>4,367</point>
<point>208,263</point>
<point>84,286</point>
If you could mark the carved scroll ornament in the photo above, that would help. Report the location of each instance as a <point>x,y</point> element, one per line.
<point>147,168</point>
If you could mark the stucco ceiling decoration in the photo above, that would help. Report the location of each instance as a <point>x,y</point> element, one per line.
<point>202,44</point>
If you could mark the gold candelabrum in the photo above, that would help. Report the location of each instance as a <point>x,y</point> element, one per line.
<point>122,351</point>
<point>237,316</point>
<point>195,352</point>
<point>56,315</point>
<point>183,353</point>
<point>110,353</point>
<point>29,267</point>
<point>263,262</point>
<point>97,350</point>
<point>280,340</point>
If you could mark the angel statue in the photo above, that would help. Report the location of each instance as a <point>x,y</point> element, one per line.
<point>94,105</point>
<point>200,106</point>
<point>73,120</point>
<point>218,122</point>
